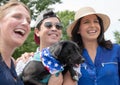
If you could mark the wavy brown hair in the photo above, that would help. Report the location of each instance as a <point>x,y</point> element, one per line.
<point>101,41</point>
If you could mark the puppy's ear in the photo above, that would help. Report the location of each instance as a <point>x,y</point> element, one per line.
<point>56,49</point>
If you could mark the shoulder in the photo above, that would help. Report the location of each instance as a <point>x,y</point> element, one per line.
<point>116,48</point>
<point>115,45</point>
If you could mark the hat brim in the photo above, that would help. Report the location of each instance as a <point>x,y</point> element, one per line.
<point>105,18</point>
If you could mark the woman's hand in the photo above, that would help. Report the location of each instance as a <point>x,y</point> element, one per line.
<point>56,79</point>
<point>22,61</point>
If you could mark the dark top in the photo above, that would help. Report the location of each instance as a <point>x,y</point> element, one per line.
<point>8,75</point>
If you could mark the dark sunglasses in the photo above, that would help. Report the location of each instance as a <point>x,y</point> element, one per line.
<point>50,24</point>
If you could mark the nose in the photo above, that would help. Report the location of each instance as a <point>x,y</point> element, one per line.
<point>92,24</point>
<point>26,24</point>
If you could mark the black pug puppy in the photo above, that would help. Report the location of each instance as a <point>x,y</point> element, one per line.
<point>67,53</point>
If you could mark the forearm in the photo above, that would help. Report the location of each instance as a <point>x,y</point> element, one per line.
<point>56,80</point>
<point>68,80</point>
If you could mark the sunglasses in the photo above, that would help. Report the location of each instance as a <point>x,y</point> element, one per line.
<point>50,25</point>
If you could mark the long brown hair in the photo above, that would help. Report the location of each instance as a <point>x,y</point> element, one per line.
<point>101,41</point>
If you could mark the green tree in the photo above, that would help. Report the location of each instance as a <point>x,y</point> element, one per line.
<point>36,6</point>
<point>66,18</point>
<point>117,37</point>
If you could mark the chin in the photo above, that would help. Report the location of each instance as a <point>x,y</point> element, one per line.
<point>18,44</point>
<point>53,42</point>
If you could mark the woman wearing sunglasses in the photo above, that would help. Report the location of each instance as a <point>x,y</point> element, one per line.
<point>48,30</point>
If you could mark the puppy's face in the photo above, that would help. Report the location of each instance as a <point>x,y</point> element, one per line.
<point>67,52</point>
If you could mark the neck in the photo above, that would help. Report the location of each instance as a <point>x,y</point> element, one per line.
<point>6,53</point>
<point>91,47</point>
<point>90,44</point>
<point>44,46</point>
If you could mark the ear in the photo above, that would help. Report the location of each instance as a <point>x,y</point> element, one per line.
<point>56,49</point>
<point>36,31</point>
<point>78,32</point>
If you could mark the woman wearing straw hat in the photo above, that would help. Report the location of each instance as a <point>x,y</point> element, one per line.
<point>102,58</point>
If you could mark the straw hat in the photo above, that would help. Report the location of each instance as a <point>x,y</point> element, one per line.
<point>88,11</point>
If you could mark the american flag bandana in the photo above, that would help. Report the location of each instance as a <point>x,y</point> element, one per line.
<point>49,62</point>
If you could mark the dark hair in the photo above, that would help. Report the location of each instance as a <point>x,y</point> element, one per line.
<point>101,41</point>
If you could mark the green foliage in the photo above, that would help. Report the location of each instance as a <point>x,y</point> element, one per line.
<point>66,18</point>
<point>36,6</point>
<point>117,37</point>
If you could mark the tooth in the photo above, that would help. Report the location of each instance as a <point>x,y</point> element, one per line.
<point>20,30</point>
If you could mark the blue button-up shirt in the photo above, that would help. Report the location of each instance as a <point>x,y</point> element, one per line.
<point>8,76</point>
<point>105,70</point>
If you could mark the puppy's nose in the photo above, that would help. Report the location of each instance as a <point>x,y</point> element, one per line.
<point>82,60</point>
